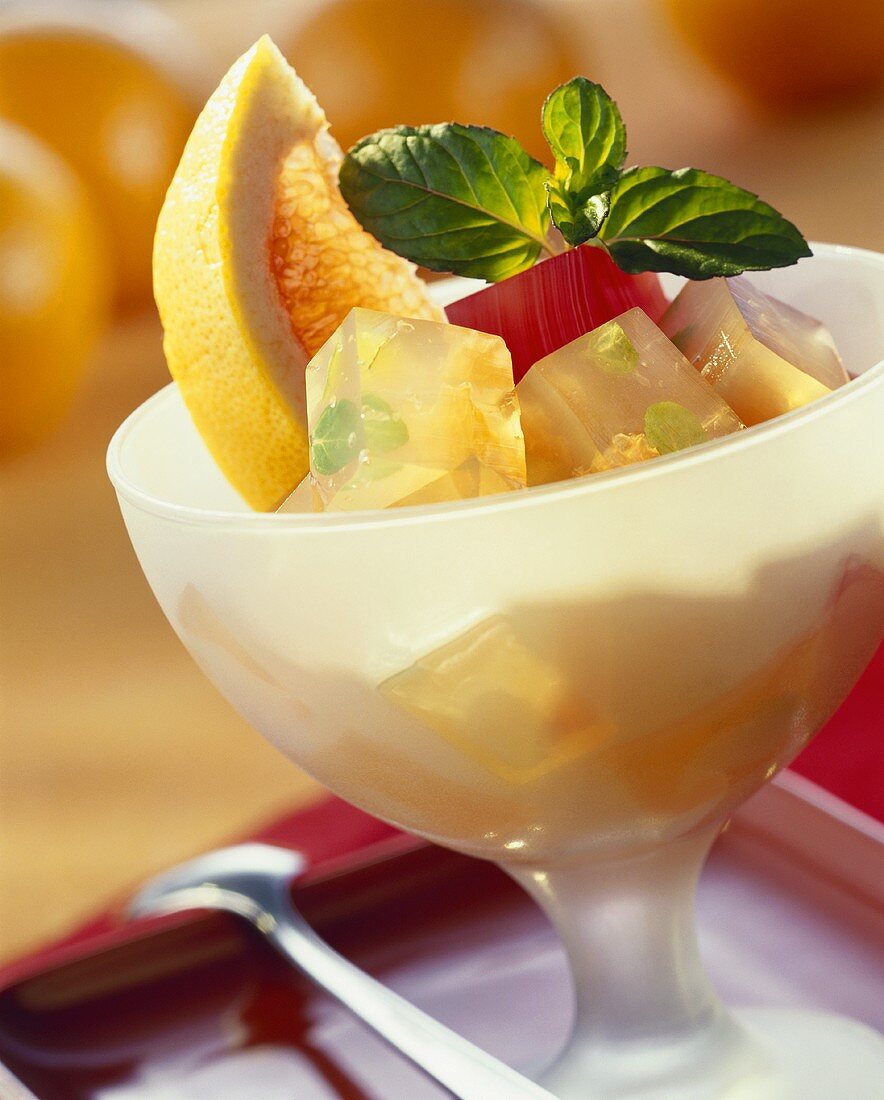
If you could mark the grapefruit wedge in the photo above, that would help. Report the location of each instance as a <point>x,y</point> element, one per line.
<point>257,260</point>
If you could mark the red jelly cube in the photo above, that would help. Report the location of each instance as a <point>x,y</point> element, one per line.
<point>554,302</point>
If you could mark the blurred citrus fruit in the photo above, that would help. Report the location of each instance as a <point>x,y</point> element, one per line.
<point>52,288</point>
<point>257,260</point>
<point>114,88</point>
<point>788,52</point>
<point>375,63</point>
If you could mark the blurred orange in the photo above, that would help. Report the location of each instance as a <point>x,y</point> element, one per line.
<point>53,288</point>
<point>375,63</point>
<point>788,53</point>
<point>113,88</point>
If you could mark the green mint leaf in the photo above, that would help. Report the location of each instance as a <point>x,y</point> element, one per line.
<point>576,221</point>
<point>464,199</point>
<point>369,472</point>
<point>384,431</point>
<point>671,427</point>
<point>335,439</point>
<point>588,138</point>
<point>612,350</point>
<point>585,132</point>
<point>695,224</point>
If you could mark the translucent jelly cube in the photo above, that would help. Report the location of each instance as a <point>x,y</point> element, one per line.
<point>408,411</point>
<point>549,305</point>
<point>300,499</point>
<point>500,704</point>
<point>761,355</point>
<point>620,394</point>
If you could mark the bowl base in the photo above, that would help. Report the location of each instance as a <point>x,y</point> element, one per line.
<point>817,1055</point>
<point>774,1054</point>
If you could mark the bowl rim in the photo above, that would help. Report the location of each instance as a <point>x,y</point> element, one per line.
<point>587,485</point>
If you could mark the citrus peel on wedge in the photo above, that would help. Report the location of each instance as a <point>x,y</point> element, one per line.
<point>257,260</point>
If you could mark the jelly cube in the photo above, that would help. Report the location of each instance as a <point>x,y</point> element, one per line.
<point>617,395</point>
<point>500,704</point>
<point>300,499</point>
<point>764,357</point>
<point>549,305</point>
<point>410,411</point>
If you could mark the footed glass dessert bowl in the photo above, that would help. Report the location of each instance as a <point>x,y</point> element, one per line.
<point>580,681</point>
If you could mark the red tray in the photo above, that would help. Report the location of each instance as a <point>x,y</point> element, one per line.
<point>199,1008</point>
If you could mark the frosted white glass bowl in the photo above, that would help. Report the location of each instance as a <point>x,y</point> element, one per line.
<point>659,589</point>
<point>708,610</point>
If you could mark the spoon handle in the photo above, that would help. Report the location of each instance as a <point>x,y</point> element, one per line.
<point>463,1068</point>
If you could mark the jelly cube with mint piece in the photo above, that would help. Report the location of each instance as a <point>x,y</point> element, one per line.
<point>764,357</point>
<point>554,302</point>
<point>617,395</point>
<point>409,412</point>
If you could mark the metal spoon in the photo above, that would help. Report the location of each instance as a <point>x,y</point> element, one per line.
<point>254,881</point>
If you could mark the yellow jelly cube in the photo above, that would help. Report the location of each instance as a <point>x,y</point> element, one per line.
<point>411,411</point>
<point>764,357</point>
<point>617,395</point>
<point>507,709</point>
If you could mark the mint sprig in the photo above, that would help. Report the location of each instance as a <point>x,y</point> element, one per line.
<point>695,224</point>
<point>584,129</point>
<point>464,199</point>
<point>469,200</point>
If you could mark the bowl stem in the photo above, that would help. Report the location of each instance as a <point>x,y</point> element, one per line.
<point>647,1022</point>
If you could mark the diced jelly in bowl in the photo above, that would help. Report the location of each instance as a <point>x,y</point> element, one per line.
<point>616,395</point>
<point>763,356</point>
<point>411,411</point>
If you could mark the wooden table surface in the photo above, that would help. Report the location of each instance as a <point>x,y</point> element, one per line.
<point>116,756</point>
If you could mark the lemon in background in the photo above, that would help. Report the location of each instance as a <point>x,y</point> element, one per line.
<point>53,288</point>
<point>114,88</point>
<point>376,63</point>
